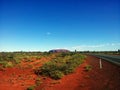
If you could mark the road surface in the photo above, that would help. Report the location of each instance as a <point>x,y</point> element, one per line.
<point>111,58</point>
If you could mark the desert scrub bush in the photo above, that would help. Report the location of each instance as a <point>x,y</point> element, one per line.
<point>6,64</point>
<point>63,64</point>
<point>47,68</point>
<point>9,59</point>
<point>9,64</point>
<point>56,74</point>
<point>69,70</point>
<point>38,81</point>
<point>31,88</point>
<point>88,67</point>
<point>38,58</point>
<point>28,60</point>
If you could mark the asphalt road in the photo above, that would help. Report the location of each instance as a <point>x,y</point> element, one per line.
<point>111,58</point>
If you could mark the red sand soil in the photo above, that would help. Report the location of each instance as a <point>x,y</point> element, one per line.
<point>22,76</point>
<point>107,78</point>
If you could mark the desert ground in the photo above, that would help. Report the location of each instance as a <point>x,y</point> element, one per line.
<point>23,77</point>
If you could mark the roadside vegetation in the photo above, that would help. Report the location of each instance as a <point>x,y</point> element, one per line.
<point>31,88</point>
<point>63,64</point>
<point>10,59</point>
<point>88,67</point>
<point>21,67</point>
<point>59,64</point>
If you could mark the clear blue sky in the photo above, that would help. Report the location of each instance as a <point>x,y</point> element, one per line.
<point>41,25</point>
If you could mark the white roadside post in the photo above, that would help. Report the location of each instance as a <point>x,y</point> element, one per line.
<point>100,64</point>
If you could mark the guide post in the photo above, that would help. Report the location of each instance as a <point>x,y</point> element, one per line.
<point>100,64</point>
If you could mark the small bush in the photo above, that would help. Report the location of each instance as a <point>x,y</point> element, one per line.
<point>56,74</point>
<point>28,60</point>
<point>31,88</point>
<point>9,64</point>
<point>63,64</point>
<point>38,58</point>
<point>38,81</point>
<point>47,68</point>
<point>69,70</point>
<point>6,64</point>
<point>88,67</point>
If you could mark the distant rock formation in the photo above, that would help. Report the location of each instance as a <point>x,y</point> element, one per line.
<point>59,50</point>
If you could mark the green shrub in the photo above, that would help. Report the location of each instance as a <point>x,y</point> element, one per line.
<point>6,64</point>
<point>38,58</point>
<point>69,70</point>
<point>63,64</point>
<point>47,68</point>
<point>28,60</point>
<point>88,67</point>
<point>38,81</point>
<point>31,88</point>
<point>9,64</point>
<point>56,74</point>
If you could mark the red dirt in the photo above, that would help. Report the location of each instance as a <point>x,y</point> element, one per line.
<point>16,79</point>
<point>22,76</point>
<point>106,78</point>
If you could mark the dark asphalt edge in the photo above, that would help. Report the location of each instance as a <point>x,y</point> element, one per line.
<point>118,64</point>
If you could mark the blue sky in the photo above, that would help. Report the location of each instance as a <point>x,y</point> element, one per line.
<point>41,25</point>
